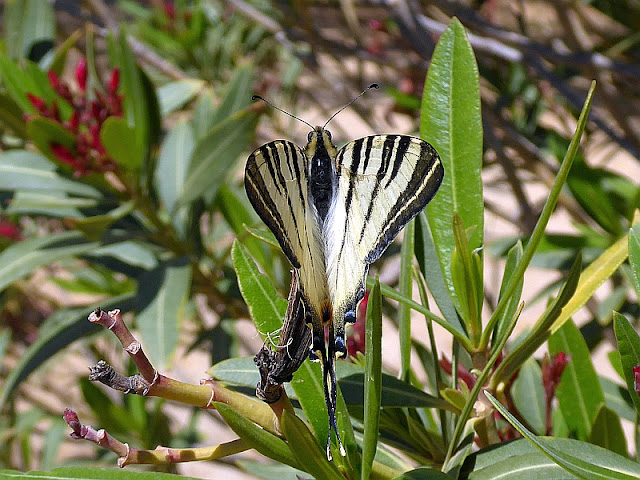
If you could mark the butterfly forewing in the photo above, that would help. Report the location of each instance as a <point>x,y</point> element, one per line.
<point>383,181</point>
<point>276,181</point>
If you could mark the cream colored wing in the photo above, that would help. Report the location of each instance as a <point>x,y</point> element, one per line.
<point>382,182</point>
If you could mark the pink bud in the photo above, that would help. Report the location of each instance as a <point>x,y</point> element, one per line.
<point>63,154</point>
<point>636,379</point>
<point>53,80</point>
<point>9,230</point>
<point>114,81</point>
<point>37,102</point>
<point>81,73</point>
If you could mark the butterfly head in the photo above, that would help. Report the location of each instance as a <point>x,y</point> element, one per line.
<point>319,143</point>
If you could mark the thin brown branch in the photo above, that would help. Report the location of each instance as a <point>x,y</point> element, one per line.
<point>160,456</point>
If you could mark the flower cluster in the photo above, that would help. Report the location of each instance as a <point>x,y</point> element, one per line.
<point>89,155</point>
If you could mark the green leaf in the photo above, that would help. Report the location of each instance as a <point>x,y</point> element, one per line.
<point>541,330</point>
<point>583,460</point>
<point>60,329</point>
<point>140,102</point>
<point>22,169</point>
<point>266,307</point>
<point>528,396</point>
<point>30,79</point>
<point>541,224</point>
<point>242,372</point>
<point>237,216</point>
<point>238,96</point>
<point>26,23</point>
<point>173,164</point>
<point>423,473</point>
<point>270,471</point>
<point>430,268</point>
<point>94,227</point>
<point>49,203</point>
<point>162,295</point>
<point>579,392</point>
<point>598,272</point>
<point>215,155</point>
<point>12,117</point>
<point>587,186</point>
<point>44,132</point>
<point>450,120</point>
<point>634,256</point>
<point>629,347</point>
<point>405,289</point>
<point>174,95</point>
<point>22,258</point>
<point>257,438</point>
<point>306,450</point>
<point>618,399</point>
<point>607,431</point>
<point>121,143</point>
<point>521,460</point>
<point>513,258</point>
<point>372,379</point>
<point>84,473</point>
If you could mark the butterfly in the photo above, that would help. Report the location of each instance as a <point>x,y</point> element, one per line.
<point>334,212</point>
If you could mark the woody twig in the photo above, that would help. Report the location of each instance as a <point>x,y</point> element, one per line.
<point>149,382</point>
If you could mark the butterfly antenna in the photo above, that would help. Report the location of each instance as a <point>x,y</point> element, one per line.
<point>373,85</point>
<point>258,97</point>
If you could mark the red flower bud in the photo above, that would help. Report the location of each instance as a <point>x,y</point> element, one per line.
<point>64,155</point>
<point>114,81</point>
<point>81,73</point>
<point>37,102</point>
<point>636,379</point>
<point>10,230</point>
<point>53,80</point>
<point>74,121</point>
<point>376,25</point>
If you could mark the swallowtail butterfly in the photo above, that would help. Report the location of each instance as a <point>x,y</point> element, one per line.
<point>334,212</point>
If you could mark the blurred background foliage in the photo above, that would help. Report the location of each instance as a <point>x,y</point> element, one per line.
<point>121,186</point>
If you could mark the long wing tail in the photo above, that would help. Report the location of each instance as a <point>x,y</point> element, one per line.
<point>327,354</point>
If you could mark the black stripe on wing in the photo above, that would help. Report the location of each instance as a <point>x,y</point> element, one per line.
<point>273,196</point>
<point>422,186</point>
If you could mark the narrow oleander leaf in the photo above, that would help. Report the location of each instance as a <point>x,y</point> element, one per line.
<point>84,473</point>
<point>22,258</point>
<point>405,288</point>
<point>588,461</point>
<point>122,144</point>
<point>256,437</point>
<point>423,473</point>
<point>607,431</point>
<point>522,460</point>
<point>174,95</point>
<point>306,450</point>
<point>527,393</point>
<point>451,121</point>
<point>25,170</point>
<point>162,295</point>
<point>634,256</point>
<point>173,164</point>
<point>629,347</point>
<point>266,307</point>
<point>215,154</point>
<point>579,393</point>
<point>513,258</point>
<point>372,379</point>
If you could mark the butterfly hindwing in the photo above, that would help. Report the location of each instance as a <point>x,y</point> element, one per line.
<point>382,182</point>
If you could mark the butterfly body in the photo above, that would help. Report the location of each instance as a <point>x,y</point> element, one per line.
<point>334,212</point>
